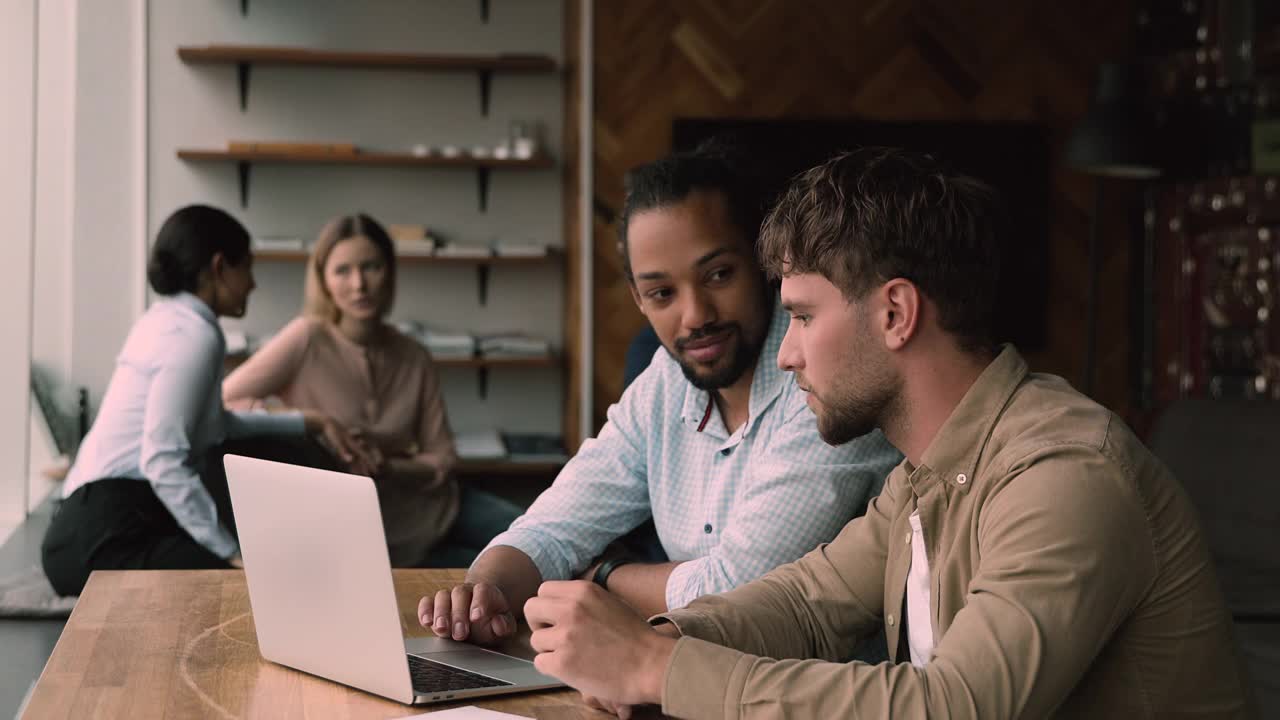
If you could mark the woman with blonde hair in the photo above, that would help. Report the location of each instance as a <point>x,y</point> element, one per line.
<point>342,358</point>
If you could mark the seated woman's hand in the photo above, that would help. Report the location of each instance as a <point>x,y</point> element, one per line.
<point>360,458</point>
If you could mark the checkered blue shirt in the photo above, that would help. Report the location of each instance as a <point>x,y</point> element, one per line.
<point>729,507</point>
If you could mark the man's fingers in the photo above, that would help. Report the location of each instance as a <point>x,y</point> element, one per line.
<point>548,639</point>
<point>461,622</point>
<point>541,612</point>
<point>440,618</point>
<point>502,625</point>
<point>424,610</point>
<point>565,589</point>
<point>487,600</point>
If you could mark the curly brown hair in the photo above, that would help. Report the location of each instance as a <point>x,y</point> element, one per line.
<point>874,214</point>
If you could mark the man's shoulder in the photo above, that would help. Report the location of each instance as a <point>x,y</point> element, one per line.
<point>1044,413</point>
<point>1049,424</point>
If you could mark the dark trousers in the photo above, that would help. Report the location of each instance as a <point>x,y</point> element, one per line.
<point>116,524</point>
<point>120,523</point>
<point>481,517</point>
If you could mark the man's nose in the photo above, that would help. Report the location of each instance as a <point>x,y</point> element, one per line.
<point>790,358</point>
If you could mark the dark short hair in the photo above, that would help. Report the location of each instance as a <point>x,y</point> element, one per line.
<point>715,166</point>
<point>874,214</point>
<point>186,244</point>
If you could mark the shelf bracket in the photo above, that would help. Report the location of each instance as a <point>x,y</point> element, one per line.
<point>484,11</point>
<point>482,282</point>
<point>244,8</point>
<point>482,377</point>
<point>242,73</point>
<point>242,168</point>
<point>486,81</point>
<point>482,186</point>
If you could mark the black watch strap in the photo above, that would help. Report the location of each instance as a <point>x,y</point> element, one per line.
<point>606,569</point>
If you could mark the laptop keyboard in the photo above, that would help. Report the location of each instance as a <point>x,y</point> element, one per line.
<point>433,677</point>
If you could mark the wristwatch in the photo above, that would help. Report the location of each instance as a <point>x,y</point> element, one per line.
<point>606,569</point>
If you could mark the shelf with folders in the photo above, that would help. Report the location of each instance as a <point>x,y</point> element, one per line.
<point>482,264</point>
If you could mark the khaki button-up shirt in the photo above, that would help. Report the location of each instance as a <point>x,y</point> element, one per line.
<point>1068,578</point>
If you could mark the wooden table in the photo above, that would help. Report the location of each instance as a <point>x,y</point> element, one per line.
<point>181,644</point>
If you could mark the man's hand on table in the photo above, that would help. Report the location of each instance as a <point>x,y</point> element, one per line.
<point>476,612</point>
<point>595,643</point>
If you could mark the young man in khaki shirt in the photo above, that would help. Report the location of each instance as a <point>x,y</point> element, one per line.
<point>1029,557</point>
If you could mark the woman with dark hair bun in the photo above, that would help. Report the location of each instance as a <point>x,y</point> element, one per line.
<point>135,498</point>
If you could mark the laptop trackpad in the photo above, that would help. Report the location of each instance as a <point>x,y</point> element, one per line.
<point>478,661</point>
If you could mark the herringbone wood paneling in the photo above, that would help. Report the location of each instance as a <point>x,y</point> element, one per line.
<point>655,60</point>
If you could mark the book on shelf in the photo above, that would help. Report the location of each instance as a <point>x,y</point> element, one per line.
<point>463,250</point>
<point>513,345</point>
<point>278,243</point>
<point>515,249</point>
<point>412,239</point>
<point>414,248</point>
<point>291,148</point>
<point>444,345</point>
<point>408,231</point>
<point>483,444</point>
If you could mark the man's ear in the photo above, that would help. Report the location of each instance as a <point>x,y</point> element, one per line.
<point>217,264</point>
<point>901,312</point>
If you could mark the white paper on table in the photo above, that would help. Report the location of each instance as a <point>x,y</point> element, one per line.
<point>470,712</point>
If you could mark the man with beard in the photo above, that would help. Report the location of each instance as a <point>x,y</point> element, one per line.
<point>1028,559</point>
<point>712,441</point>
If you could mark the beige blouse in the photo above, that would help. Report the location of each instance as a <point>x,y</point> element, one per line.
<point>387,390</point>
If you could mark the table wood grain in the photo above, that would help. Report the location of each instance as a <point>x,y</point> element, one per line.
<point>181,644</point>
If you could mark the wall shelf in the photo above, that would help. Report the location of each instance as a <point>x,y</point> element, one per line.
<point>245,160</point>
<point>553,255</point>
<point>244,57</point>
<point>483,265</point>
<point>483,365</point>
<point>484,10</point>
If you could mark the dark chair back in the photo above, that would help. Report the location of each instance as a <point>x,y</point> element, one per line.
<point>1227,455</point>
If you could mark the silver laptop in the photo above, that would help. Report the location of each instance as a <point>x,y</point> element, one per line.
<point>320,588</point>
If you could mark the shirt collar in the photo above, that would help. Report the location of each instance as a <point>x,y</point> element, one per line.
<point>199,307</point>
<point>766,382</point>
<point>955,449</point>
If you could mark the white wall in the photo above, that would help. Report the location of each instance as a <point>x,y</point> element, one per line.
<point>55,198</point>
<point>109,233</point>
<point>198,106</point>
<point>17,153</point>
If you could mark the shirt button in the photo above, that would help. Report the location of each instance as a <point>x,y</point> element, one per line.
<point>707,528</point>
<point>961,479</point>
<point>889,620</point>
<point>726,451</point>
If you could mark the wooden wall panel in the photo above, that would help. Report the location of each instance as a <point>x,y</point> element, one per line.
<point>574,292</point>
<point>963,60</point>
